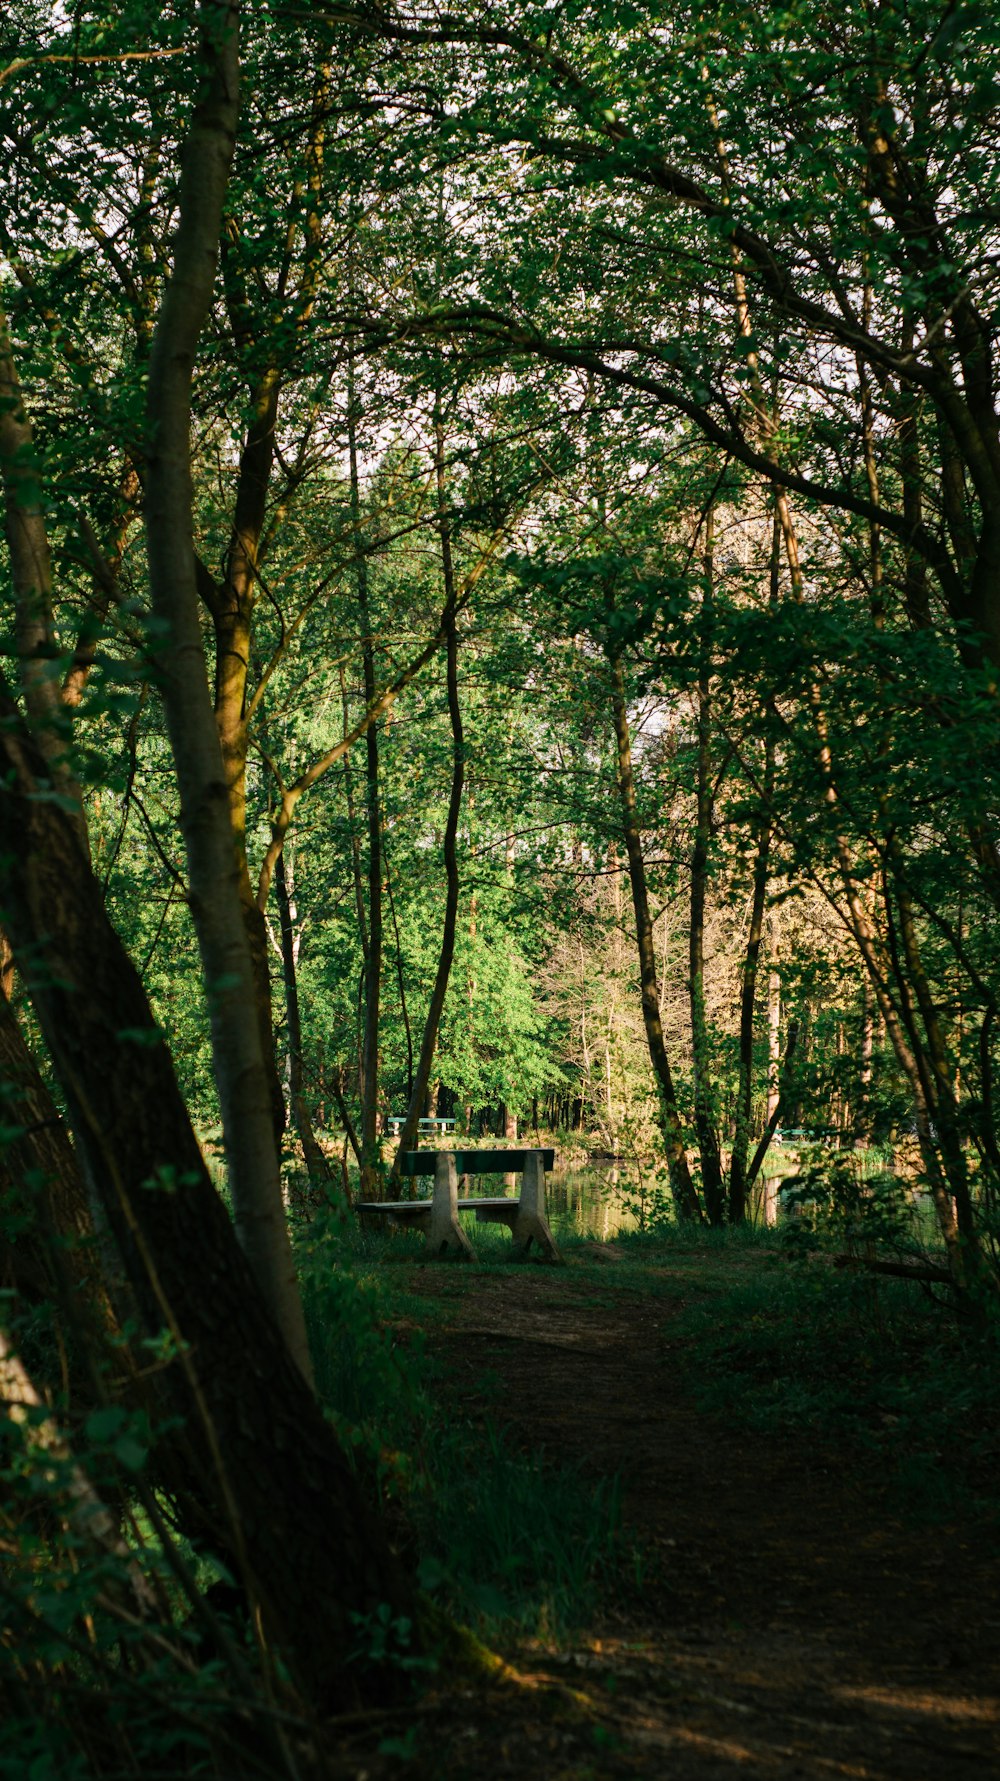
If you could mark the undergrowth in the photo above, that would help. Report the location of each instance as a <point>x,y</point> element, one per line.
<point>795,1345</point>
<point>508,1543</point>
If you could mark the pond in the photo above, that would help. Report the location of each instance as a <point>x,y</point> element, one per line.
<point>600,1199</point>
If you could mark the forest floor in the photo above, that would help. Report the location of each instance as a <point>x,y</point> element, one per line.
<point>782,1618</point>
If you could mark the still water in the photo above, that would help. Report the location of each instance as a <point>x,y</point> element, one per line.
<point>599,1200</point>
<point>593,1201</point>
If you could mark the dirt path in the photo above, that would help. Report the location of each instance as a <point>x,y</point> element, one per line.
<point>789,1625</point>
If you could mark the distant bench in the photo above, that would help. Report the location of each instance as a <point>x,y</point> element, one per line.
<point>426,1128</point>
<point>438,1217</point>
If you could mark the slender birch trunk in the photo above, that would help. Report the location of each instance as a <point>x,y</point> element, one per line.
<point>369,1073</point>
<point>705,1109</point>
<point>212,854</point>
<point>422,1074</point>
<point>681,1185</point>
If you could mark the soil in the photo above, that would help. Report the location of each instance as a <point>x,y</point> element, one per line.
<point>786,1622</point>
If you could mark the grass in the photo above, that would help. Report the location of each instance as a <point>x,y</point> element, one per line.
<point>763,1331</point>
<point>508,1543</point>
<point>858,1361</point>
<point>768,1334</point>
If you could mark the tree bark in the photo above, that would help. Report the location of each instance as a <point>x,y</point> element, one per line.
<point>31,574</point>
<point>232,602</point>
<point>242,1077</point>
<point>705,1110</point>
<point>280,1495</point>
<point>369,1083</point>
<point>748,998</point>
<point>682,1187</point>
<point>428,1046</point>
<point>57,1249</point>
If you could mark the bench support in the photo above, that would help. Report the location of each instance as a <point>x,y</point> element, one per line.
<point>526,1216</point>
<point>445,1235</point>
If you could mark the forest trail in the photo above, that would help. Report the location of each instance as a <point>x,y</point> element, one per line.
<point>785,1622</point>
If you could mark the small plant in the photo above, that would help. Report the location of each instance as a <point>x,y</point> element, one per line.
<point>386,1640</point>
<point>650,1202</point>
<point>853,1200</point>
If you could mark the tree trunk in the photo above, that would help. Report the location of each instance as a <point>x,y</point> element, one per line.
<point>773,1041</point>
<point>31,575</point>
<point>352,823</point>
<point>369,1083</point>
<point>232,606</point>
<point>280,1495</point>
<point>400,977</point>
<point>242,1077</point>
<point>49,1253</point>
<point>681,1185</point>
<point>705,1110</point>
<point>748,999</point>
<point>865,1071</point>
<point>317,1167</point>
<point>428,1046</point>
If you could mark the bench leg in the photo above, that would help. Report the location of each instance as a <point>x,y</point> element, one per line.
<point>531,1222</point>
<point>445,1235</point>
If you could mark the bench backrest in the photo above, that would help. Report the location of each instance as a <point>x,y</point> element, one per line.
<point>473,1162</point>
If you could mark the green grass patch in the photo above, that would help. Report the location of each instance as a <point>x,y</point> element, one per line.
<point>508,1543</point>
<point>852,1358</point>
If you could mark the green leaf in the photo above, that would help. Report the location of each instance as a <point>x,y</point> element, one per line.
<point>103,1425</point>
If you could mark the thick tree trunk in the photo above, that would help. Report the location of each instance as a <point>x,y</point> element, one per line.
<point>682,1187</point>
<point>31,574</point>
<point>90,1521</point>
<point>281,1496</point>
<point>56,1248</point>
<point>243,1080</point>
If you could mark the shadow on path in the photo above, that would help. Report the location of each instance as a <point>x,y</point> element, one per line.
<point>793,1625</point>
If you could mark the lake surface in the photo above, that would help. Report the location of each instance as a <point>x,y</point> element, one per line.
<point>600,1199</point>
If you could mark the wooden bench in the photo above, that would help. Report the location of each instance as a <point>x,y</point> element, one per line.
<point>438,1216</point>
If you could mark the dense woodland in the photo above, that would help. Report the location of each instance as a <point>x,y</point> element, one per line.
<point>501,620</point>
